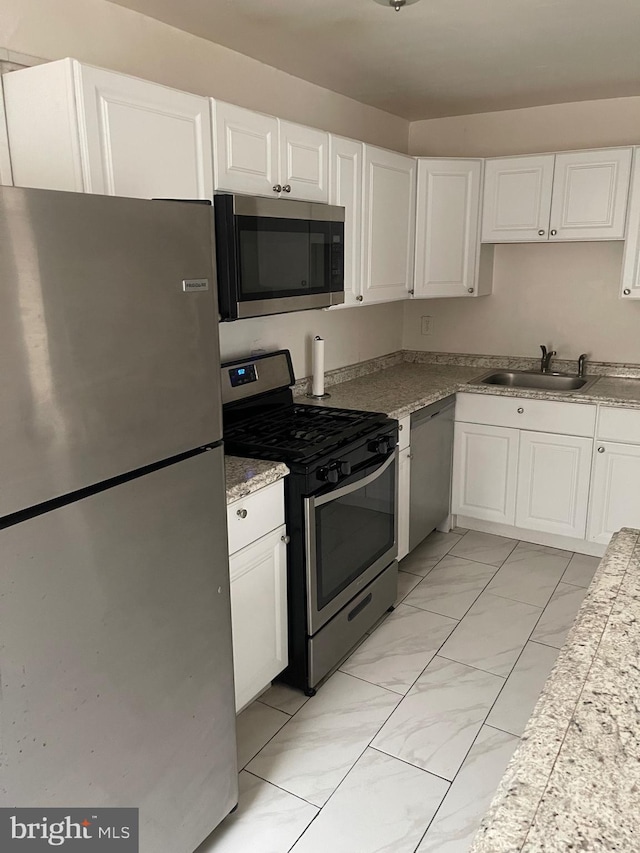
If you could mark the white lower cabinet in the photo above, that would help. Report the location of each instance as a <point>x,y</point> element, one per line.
<point>553,483</point>
<point>615,491</point>
<point>485,464</point>
<point>259,614</point>
<point>514,470</point>
<point>258,572</point>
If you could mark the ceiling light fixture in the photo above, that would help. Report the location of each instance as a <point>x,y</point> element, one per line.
<point>396,4</point>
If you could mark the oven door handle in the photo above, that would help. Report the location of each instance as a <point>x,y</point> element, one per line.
<point>353,487</point>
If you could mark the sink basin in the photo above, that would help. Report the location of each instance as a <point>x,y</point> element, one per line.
<point>535,379</point>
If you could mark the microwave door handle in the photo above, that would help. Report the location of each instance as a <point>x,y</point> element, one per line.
<point>353,487</point>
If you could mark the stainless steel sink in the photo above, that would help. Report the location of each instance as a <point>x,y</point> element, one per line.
<point>535,379</point>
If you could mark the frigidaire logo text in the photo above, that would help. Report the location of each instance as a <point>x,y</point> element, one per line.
<point>74,830</point>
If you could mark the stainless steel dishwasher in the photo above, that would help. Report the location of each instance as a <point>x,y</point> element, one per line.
<point>431,458</point>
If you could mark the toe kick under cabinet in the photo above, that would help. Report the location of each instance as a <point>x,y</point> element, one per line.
<point>258,569</point>
<point>523,463</point>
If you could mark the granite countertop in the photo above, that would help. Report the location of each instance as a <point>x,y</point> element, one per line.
<point>574,781</point>
<point>244,476</point>
<point>405,387</point>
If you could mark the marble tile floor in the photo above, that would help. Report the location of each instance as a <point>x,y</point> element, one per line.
<point>403,747</point>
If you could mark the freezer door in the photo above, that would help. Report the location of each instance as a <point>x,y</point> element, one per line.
<point>109,362</point>
<point>115,655</point>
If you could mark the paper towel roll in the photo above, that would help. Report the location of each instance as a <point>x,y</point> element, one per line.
<point>317,382</point>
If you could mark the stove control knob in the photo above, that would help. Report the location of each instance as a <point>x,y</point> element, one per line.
<point>329,474</point>
<point>344,468</point>
<point>380,444</point>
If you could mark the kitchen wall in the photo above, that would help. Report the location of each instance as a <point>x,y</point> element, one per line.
<point>558,127</point>
<point>564,294</point>
<point>351,335</point>
<point>110,36</point>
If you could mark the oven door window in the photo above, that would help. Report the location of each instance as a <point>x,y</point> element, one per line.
<point>282,257</point>
<point>352,532</point>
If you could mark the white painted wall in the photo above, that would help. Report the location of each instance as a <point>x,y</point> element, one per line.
<point>563,295</point>
<point>558,127</point>
<point>351,335</point>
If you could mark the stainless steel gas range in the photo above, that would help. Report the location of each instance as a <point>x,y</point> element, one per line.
<point>341,508</point>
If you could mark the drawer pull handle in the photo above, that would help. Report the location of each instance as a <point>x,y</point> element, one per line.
<point>541,233</point>
<point>521,411</point>
<point>360,607</point>
<point>626,291</point>
<point>601,450</point>
<point>241,513</point>
<point>285,539</point>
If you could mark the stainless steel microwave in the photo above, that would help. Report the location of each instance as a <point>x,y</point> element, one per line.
<point>277,255</point>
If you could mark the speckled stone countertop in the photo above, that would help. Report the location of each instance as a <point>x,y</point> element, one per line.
<point>244,476</point>
<point>574,781</point>
<point>406,382</point>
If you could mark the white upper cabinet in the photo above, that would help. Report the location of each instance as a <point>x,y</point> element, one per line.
<point>447,228</point>
<point>258,154</point>
<point>388,230</point>
<point>245,150</point>
<point>630,285</point>
<point>590,190</point>
<point>345,190</point>
<point>517,199</point>
<point>580,195</point>
<point>84,129</point>
<point>304,162</point>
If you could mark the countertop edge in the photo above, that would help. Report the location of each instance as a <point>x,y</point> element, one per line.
<point>245,476</point>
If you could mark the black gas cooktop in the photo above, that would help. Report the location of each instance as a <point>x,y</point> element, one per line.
<point>297,432</point>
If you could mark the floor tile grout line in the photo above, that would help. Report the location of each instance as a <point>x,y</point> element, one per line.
<point>286,723</point>
<point>471,666</point>
<point>459,620</point>
<point>504,731</point>
<point>410,764</point>
<point>280,788</point>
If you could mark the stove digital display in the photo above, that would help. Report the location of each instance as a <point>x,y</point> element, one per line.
<point>242,375</point>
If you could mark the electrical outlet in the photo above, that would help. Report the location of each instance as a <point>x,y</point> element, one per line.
<point>426,327</point>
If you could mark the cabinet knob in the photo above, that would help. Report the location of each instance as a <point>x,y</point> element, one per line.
<point>241,513</point>
<point>626,291</point>
<point>553,232</point>
<point>541,232</point>
<point>359,298</point>
<point>285,539</point>
<point>286,188</point>
<point>277,188</point>
<point>601,450</point>
<point>400,427</point>
<point>521,411</point>
<point>469,290</point>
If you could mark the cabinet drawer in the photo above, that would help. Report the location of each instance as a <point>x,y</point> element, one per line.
<point>404,432</point>
<point>619,424</point>
<point>252,517</point>
<point>522,413</point>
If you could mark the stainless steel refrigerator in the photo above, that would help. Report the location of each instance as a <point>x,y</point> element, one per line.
<point>115,636</point>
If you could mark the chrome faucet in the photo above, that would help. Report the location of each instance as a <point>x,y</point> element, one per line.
<point>581,362</point>
<point>545,361</point>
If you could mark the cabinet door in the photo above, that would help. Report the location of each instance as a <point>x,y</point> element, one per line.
<point>304,162</point>
<point>345,189</point>
<point>447,221</point>
<point>404,499</point>
<point>517,199</point>
<point>259,614</point>
<point>485,465</point>
<point>630,285</point>
<point>590,191</point>
<point>141,139</point>
<point>389,225</point>
<point>615,490</point>
<point>553,483</point>
<point>246,150</point>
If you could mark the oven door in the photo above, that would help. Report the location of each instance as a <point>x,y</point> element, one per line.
<point>351,536</point>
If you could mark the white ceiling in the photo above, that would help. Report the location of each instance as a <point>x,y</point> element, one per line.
<point>434,58</point>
